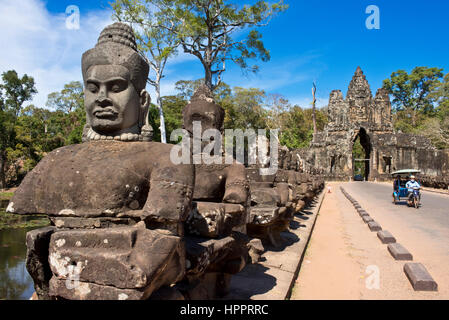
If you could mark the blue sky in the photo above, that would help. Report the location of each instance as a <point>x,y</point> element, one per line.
<point>321,40</point>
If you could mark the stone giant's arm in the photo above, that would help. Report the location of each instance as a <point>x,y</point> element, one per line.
<point>170,195</point>
<point>237,185</point>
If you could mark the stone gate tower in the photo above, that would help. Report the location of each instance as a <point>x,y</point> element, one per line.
<point>369,118</point>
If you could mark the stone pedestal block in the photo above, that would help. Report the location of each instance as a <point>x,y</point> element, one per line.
<point>128,258</point>
<point>367,219</point>
<point>386,237</point>
<point>374,226</point>
<point>419,277</point>
<point>399,252</point>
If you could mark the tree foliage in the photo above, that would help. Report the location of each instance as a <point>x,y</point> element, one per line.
<point>207,29</point>
<point>421,103</point>
<point>29,132</point>
<point>154,40</point>
<point>412,92</point>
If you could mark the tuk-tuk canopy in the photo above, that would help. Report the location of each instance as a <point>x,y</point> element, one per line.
<point>406,171</point>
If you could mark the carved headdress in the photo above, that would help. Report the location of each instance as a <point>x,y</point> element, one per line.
<point>203,104</point>
<point>117,46</point>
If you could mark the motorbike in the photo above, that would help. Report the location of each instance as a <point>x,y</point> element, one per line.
<point>414,198</point>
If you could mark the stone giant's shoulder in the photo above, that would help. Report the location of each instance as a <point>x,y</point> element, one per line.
<point>101,178</point>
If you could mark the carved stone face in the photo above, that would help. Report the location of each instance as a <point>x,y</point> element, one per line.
<point>206,113</point>
<point>112,103</point>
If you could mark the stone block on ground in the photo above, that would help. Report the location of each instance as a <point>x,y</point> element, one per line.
<point>363,213</point>
<point>123,257</point>
<point>386,237</point>
<point>419,277</point>
<point>374,226</point>
<point>37,265</point>
<point>399,252</point>
<point>367,219</point>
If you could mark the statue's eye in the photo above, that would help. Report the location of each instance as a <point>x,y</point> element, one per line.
<point>92,87</point>
<point>116,88</point>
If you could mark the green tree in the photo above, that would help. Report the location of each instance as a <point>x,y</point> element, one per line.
<point>14,92</point>
<point>172,108</point>
<point>186,88</point>
<point>69,117</point>
<point>205,29</point>
<point>441,96</point>
<point>412,92</point>
<point>153,39</point>
<point>244,109</point>
<point>297,127</point>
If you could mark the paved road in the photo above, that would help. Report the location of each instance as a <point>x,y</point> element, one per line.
<point>343,253</point>
<point>424,231</point>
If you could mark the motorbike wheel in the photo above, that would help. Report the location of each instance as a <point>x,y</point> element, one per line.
<point>416,201</point>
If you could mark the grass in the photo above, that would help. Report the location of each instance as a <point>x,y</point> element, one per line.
<point>6,195</point>
<point>8,220</point>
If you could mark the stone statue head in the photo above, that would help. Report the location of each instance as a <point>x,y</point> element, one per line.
<point>202,107</point>
<point>115,76</point>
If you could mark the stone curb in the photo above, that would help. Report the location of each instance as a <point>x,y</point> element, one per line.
<point>399,252</point>
<point>416,273</point>
<point>386,237</point>
<point>419,277</point>
<point>374,226</point>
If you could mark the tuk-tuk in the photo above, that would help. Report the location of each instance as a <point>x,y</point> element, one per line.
<point>402,191</point>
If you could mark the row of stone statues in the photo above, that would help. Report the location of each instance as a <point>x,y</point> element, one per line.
<point>128,223</point>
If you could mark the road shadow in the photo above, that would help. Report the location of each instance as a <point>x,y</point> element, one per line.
<point>294,225</point>
<point>287,239</point>
<point>252,280</point>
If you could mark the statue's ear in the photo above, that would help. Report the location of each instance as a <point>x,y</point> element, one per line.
<point>144,124</point>
<point>145,98</point>
<point>145,101</point>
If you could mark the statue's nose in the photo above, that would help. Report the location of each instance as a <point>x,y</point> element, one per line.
<point>103,99</point>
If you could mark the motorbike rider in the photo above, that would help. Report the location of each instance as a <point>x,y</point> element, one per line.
<point>410,185</point>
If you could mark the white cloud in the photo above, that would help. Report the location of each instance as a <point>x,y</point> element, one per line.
<point>39,44</point>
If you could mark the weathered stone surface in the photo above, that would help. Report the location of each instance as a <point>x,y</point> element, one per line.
<point>265,196</point>
<point>67,183</point>
<point>263,215</point>
<point>79,290</point>
<point>399,252</point>
<point>283,190</point>
<point>386,237</point>
<point>225,255</point>
<point>37,260</point>
<point>125,257</point>
<point>367,219</point>
<point>255,250</point>
<point>91,223</point>
<point>374,226</point>
<point>261,185</point>
<point>253,174</point>
<point>210,219</point>
<point>360,115</point>
<point>363,213</point>
<point>419,277</point>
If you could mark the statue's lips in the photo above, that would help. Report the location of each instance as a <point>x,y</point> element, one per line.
<point>105,113</point>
